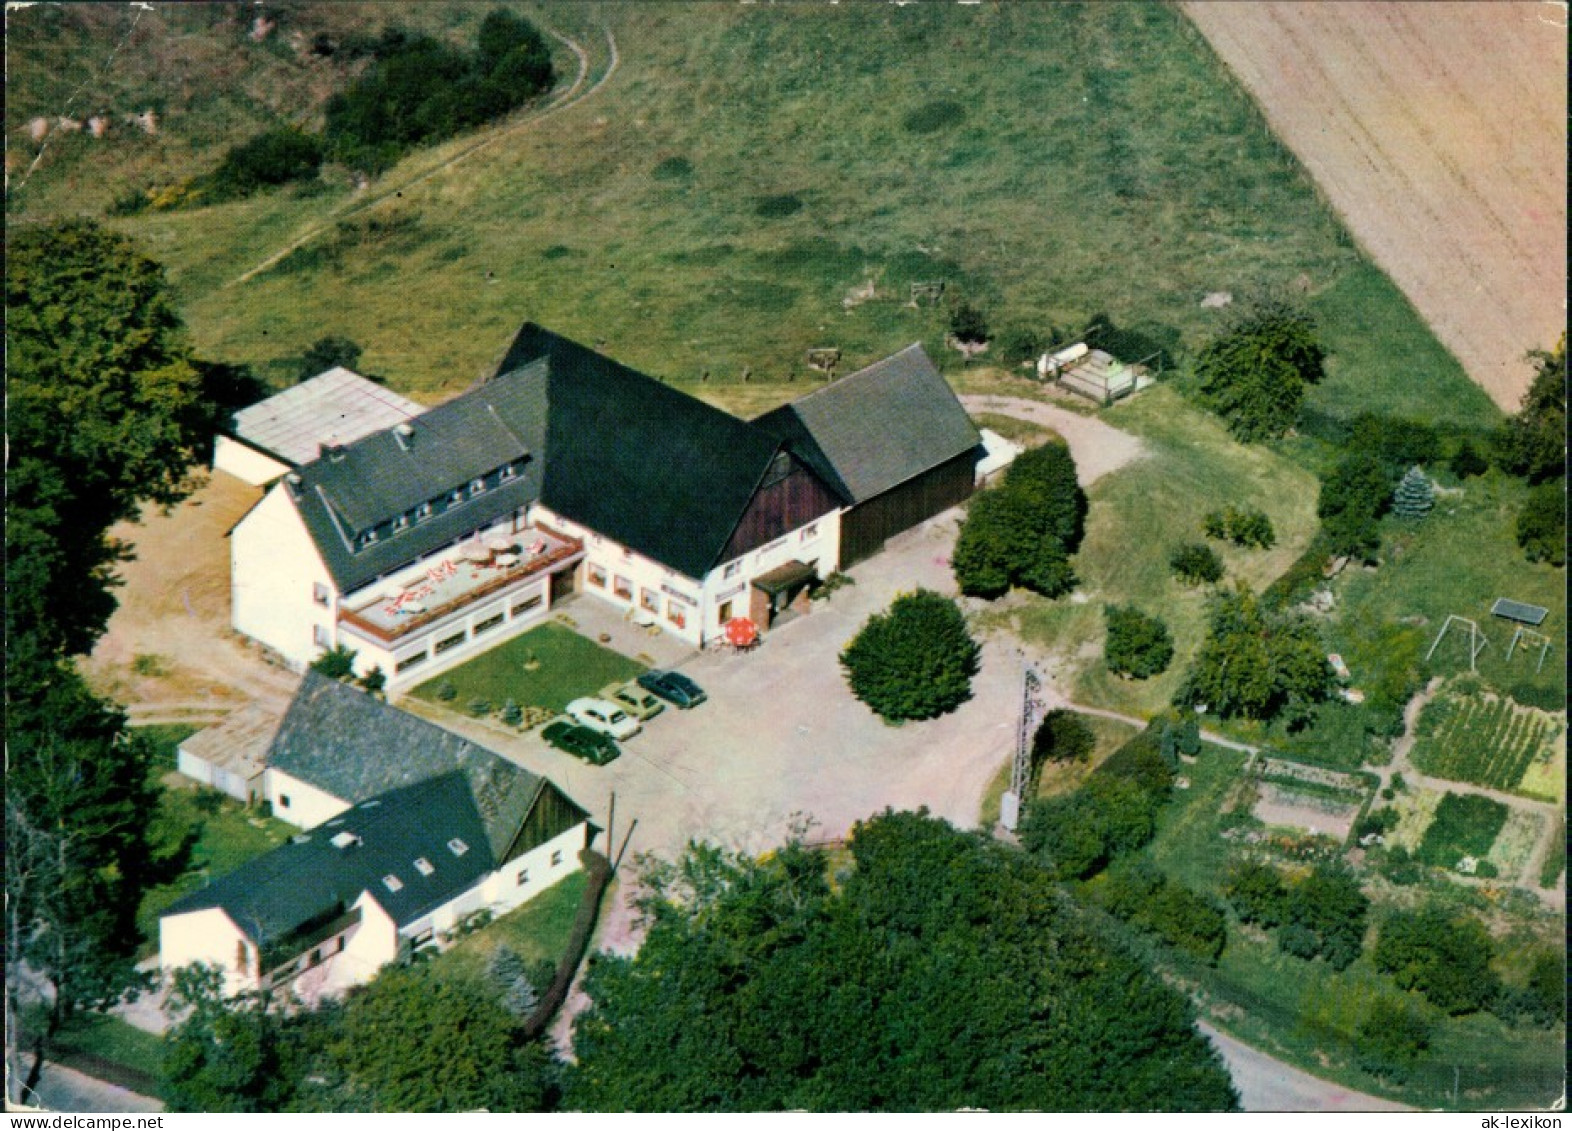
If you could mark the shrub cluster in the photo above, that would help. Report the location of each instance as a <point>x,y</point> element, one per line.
<point>1062,736</point>
<point>1112,815</point>
<point>1138,646</point>
<point>1243,526</point>
<point>1023,531</point>
<point>1445,957</point>
<point>273,158</point>
<point>1151,902</point>
<point>418,89</point>
<point>1321,915</point>
<point>1196,563</point>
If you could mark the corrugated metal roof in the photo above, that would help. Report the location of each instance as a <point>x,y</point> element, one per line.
<point>875,429</point>
<point>338,405</point>
<point>239,744</point>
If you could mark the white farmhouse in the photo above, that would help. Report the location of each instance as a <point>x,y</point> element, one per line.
<point>438,537</point>
<point>411,829</point>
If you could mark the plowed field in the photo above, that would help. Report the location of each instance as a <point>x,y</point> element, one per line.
<point>1438,132</point>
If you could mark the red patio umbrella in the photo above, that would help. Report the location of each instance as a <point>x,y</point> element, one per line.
<point>741,632</point>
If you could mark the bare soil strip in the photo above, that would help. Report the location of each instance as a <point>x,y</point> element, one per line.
<point>1438,131</point>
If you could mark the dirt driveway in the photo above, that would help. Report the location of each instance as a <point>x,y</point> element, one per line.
<point>1438,131</point>
<point>782,736</point>
<point>1098,448</point>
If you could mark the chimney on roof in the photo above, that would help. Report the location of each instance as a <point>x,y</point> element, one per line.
<point>405,435</point>
<point>333,451</point>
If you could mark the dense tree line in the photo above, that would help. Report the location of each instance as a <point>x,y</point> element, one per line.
<point>1160,906</point>
<point>939,971</point>
<point>1023,532</point>
<point>108,409</point>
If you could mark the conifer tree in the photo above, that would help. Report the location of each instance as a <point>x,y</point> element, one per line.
<point>1414,496</point>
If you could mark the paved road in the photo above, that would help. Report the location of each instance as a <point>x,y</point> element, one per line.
<point>65,1089</point>
<point>1266,1084</point>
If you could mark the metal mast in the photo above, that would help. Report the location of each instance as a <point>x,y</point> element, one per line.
<point>1021,771</point>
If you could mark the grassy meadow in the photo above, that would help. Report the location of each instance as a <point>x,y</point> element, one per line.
<point>744,169</point>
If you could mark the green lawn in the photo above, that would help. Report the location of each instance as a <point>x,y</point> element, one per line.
<point>227,836</point>
<point>570,666</point>
<point>1140,513</point>
<point>646,219</point>
<point>1456,562</point>
<point>110,1049</point>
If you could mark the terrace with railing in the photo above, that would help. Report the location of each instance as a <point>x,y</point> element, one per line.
<point>452,583</point>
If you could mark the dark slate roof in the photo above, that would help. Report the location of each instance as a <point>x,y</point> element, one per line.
<point>648,466</point>
<point>877,428</point>
<point>386,474</point>
<point>311,878</point>
<point>355,747</point>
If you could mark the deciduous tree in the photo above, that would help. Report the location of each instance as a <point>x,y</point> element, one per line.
<point>1534,442</point>
<point>942,971</point>
<point>1255,373</point>
<point>914,661</point>
<point>1257,665</point>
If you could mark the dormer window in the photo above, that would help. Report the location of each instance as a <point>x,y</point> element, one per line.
<point>424,866</point>
<point>508,472</point>
<point>457,847</point>
<point>476,486</point>
<point>368,538</point>
<point>422,511</point>
<point>401,523</point>
<point>455,498</point>
<point>393,883</point>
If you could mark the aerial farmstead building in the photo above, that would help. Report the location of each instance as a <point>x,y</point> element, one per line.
<point>443,534</point>
<point>411,829</point>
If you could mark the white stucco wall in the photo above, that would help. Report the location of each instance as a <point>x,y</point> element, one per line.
<point>274,569</point>
<point>211,937</point>
<point>370,652</point>
<point>369,946</point>
<point>665,585</point>
<point>503,888</point>
<point>308,806</point>
<point>244,462</point>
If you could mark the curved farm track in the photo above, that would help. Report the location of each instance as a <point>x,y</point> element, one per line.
<point>1438,132</point>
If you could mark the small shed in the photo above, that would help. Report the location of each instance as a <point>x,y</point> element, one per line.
<point>232,756</point>
<point>1092,373</point>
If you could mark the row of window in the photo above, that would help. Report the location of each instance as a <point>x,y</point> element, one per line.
<point>649,600</point>
<point>455,497</point>
<point>448,643</point>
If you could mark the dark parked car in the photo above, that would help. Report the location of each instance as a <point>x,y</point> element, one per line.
<point>582,742</point>
<point>674,687</point>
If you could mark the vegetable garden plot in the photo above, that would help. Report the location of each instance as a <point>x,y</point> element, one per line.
<point>1483,739</point>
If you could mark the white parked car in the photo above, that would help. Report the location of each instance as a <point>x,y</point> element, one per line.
<point>608,718</point>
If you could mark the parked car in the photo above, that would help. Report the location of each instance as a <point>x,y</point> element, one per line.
<point>608,718</point>
<point>582,742</point>
<point>674,687</point>
<point>633,699</point>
